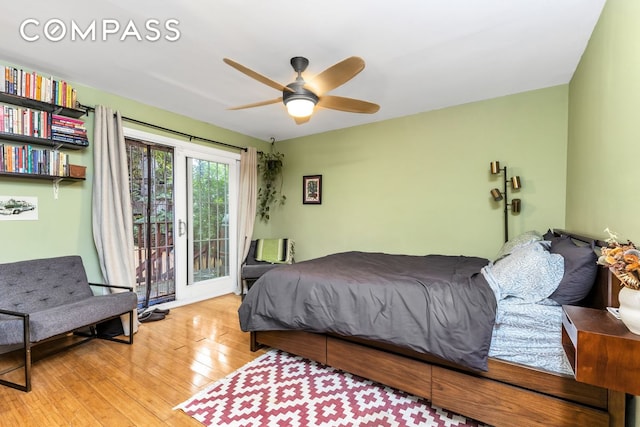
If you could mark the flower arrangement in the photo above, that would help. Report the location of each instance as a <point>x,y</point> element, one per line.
<point>622,259</point>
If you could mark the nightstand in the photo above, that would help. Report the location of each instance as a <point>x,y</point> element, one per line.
<point>601,350</point>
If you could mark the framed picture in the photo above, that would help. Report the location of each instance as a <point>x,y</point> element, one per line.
<point>312,189</point>
<point>14,208</point>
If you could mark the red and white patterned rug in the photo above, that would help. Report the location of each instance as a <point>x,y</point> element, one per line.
<point>281,390</point>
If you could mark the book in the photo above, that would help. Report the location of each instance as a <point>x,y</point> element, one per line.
<point>67,119</point>
<point>27,84</point>
<point>38,88</point>
<point>35,86</point>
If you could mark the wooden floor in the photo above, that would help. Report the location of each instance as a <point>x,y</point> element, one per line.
<point>103,383</point>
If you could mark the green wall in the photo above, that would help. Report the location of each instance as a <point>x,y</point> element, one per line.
<point>603,168</point>
<point>420,184</point>
<point>64,224</point>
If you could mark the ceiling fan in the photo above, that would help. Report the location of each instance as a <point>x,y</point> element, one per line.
<point>302,97</point>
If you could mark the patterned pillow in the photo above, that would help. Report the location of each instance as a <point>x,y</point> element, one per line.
<point>518,241</point>
<point>530,272</point>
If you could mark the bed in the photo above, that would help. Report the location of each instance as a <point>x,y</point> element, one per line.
<point>478,375</point>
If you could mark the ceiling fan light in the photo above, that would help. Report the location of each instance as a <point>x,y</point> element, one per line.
<point>300,107</point>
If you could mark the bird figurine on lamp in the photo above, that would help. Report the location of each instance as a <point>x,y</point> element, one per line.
<point>516,204</point>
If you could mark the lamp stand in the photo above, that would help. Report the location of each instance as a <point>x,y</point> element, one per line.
<point>504,196</point>
<point>506,203</point>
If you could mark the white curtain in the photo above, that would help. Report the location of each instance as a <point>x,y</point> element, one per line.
<point>111,213</point>
<point>246,205</point>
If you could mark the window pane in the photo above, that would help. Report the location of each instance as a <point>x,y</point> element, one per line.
<point>151,186</point>
<point>210,199</point>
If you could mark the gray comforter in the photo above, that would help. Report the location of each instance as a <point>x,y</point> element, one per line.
<point>433,304</point>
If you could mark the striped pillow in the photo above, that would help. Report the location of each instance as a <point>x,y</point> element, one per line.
<point>273,250</point>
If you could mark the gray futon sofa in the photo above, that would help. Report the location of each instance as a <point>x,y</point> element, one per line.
<point>45,299</point>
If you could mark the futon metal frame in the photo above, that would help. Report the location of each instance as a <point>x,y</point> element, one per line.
<point>27,345</point>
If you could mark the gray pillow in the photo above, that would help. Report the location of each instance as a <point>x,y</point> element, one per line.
<point>580,269</point>
<point>550,237</point>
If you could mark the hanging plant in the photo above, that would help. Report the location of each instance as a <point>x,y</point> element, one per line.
<point>270,191</point>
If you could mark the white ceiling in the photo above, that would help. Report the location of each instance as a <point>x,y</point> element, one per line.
<point>420,54</point>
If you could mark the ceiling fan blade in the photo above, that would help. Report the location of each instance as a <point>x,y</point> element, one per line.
<point>256,104</point>
<point>347,104</point>
<point>336,75</point>
<point>256,76</point>
<point>301,120</point>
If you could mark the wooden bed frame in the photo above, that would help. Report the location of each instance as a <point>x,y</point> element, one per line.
<point>507,394</point>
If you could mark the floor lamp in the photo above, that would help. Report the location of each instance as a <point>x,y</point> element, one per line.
<point>498,195</point>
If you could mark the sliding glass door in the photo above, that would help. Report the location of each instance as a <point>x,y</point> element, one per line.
<point>151,186</point>
<point>208,204</point>
<point>185,228</point>
<point>208,232</point>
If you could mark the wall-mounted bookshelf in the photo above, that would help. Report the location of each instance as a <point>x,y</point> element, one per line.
<point>38,111</point>
<point>41,105</point>
<point>45,142</point>
<point>41,177</point>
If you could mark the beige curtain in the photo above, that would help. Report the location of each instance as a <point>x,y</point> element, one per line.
<point>111,213</point>
<point>246,205</point>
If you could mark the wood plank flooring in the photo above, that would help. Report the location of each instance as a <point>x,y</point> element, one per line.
<point>103,383</point>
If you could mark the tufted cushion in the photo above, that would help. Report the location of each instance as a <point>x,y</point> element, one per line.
<point>251,256</point>
<point>35,285</point>
<point>68,317</point>
<point>56,295</point>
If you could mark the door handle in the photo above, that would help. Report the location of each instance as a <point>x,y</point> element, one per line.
<point>182,227</point>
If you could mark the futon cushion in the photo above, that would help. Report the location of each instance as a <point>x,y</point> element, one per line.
<point>254,271</point>
<point>68,317</point>
<point>251,256</point>
<point>34,285</point>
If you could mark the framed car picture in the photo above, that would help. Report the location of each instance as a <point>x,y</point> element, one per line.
<point>312,189</point>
